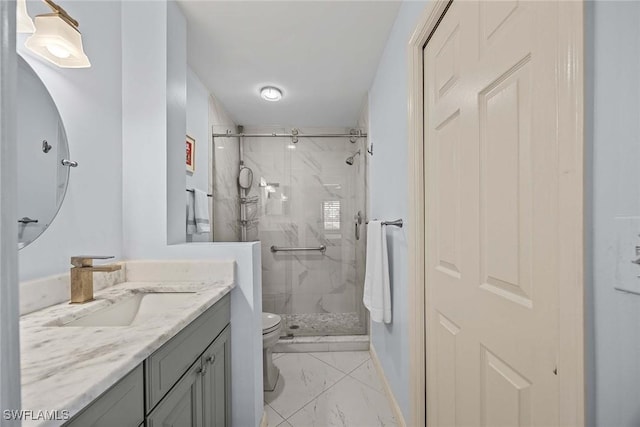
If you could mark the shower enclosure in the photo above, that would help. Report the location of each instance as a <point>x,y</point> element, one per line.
<point>306,205</point>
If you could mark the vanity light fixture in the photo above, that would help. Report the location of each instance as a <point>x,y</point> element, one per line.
<point>23,20</point>
<point>271,93</point>
<point>57,39</point>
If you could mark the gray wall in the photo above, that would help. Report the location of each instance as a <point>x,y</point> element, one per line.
<point>9,333</point>
<point>388,127</point>
<point>613,206</point>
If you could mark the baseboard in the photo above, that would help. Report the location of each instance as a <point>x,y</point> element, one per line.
<point>322,343</point>
<point>397,412</point>
<point>264,422</point>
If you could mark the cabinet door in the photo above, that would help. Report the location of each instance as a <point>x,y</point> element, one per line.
<point>182,407</point>
<point>217,381</point>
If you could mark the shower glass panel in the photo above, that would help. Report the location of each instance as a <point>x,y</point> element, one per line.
<point>307,196</point>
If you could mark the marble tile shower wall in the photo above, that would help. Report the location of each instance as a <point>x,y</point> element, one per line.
<point>308,196</point>
<point>225,159</point>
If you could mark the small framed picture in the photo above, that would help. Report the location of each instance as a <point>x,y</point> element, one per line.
<point>191,154</point>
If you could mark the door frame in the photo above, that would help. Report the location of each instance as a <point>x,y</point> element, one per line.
<point>570,87</point>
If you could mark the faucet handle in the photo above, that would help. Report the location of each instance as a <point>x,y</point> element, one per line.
<point>87,260</point>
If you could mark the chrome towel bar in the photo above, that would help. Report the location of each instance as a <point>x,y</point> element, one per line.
<point>191,190</point>
<point>321,248</point>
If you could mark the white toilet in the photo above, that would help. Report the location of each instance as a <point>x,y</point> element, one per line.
<point>270,334</point>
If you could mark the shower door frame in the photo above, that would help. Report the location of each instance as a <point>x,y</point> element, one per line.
<point>354,137</point>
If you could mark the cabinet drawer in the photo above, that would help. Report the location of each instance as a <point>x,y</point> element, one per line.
<point>165,367</point>
<point>122,405</point>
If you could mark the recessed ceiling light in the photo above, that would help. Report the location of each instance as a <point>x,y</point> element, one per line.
<point>270,93</point>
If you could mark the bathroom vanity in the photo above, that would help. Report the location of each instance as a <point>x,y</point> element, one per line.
<point>183,383</point>
<point>154,353</point>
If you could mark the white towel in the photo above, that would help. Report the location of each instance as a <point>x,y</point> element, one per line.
<point>377,290</point>
<point>198,213</point>
<point>191,213</point>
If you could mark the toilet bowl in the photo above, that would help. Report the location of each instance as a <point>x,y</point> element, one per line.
<point>270,335</point>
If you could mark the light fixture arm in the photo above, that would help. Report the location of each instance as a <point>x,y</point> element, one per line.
<point>62,14</point>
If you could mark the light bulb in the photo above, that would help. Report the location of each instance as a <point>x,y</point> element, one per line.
<point>58,51</point>
<point>270,93</point>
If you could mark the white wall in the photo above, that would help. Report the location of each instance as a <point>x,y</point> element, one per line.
<point>388,185</point>
<point>154,127</point>
<point>90,104</point>
<point>198,129</point>
<point>613,206</point>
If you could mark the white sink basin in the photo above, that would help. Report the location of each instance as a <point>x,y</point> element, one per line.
<point>134,310</point>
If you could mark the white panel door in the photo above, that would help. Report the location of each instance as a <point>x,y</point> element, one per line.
<point>492,182</point>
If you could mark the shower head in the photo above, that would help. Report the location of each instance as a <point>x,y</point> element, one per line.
<point>350,159</point>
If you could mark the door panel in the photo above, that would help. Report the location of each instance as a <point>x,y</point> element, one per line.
<point>492,177</point>
<point>446,363</point>
<point>448,199</point>
<point>506,394</point>
<point>505,186</point>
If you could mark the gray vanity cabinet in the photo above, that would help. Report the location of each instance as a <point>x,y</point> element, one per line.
<point>121,405</point>
<point>185,383</point>
<point>216,384</point>
<point>201,397</point>
<point>182,407</point>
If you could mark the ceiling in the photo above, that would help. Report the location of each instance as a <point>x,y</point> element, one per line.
<point>322,54</point>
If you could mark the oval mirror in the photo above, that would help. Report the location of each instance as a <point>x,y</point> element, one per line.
<point>245,178</point>
<point>42,146</point>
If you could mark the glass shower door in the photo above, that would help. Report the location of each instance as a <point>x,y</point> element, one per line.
<point>309,198</point>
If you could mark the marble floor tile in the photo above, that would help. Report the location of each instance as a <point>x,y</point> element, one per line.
<point>345,361</point>
<point>273,418</point>
<point>367,374</point>
<point>302,378</point>
<point>284,424</point>
<point>349,403</point>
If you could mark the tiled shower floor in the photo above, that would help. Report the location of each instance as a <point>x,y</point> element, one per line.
<point>322,324</point>
<point>328,389</point>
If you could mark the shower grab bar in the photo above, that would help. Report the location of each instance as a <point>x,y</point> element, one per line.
<point>321,248</point>
<point>397,223</point>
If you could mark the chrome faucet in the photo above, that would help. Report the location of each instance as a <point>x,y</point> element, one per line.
<point>82,276</point>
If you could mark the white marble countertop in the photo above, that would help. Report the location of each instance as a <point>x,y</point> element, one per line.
<point>66,368</point>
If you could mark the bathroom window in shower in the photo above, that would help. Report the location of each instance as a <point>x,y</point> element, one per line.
<point>331,215</point>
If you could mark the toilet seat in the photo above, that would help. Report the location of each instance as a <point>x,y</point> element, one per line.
<point>270,323</point>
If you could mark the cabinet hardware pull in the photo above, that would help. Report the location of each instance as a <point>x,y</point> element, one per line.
<point>211,359</point>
